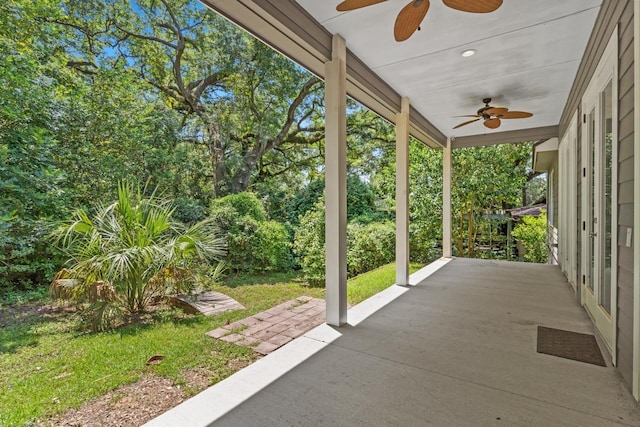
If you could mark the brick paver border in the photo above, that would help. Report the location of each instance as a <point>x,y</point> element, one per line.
<point>268,330</point>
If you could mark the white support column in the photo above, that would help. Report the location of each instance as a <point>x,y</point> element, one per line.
<point>636,205</point>
<point>402,194</point>
<point>446,201</point>
<point>336,184</point>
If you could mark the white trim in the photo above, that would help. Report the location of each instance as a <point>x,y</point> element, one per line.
<point>615,79</point>
<point>336,184</point>
<point>562,205</point>
<point>552,221</point>
<point>567,214</point>
<point>402,194</point>
<point>606,73</point>
<point>573,206</point>
<point>636,203</point>
<point>586,205</point>
<point>446,201</point>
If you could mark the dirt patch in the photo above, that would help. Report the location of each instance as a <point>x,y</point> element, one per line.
<point>133,404</point>
<point>237,364</point>
<point>130,405</point>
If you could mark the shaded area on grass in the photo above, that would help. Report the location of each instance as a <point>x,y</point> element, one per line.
<point>56,368</point>
<point>246,279</point>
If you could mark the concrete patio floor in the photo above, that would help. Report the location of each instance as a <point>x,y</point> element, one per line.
<point>458,349</point>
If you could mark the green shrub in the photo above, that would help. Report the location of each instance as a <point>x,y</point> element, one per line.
<point>370,246</point>
<point>274,247</point>
<point>422,242</point>
<point>360,201</point>
<point>308,244</point>
<point>254,243</point>
<point>189,211</point>
<point>532,232</point>
<point>360,198</point>
<point>31,196</point>
<point>244,204</point>
<point>304,201</point>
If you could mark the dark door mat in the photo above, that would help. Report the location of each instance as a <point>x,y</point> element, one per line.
<point>569,345</point>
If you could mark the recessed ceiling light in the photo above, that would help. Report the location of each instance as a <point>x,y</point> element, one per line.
<point>469,52</point>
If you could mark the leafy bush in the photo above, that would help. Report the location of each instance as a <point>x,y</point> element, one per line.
<point>26,259</point>
<point>254,243</point>
<point>31,196</point>
<point>126,254</point>
<point>360,201</point>
<point>189,211</point>
<point>370,246</point>
<point>244,204</point>
<point>532,232</point>
<point>309,244</point>
<point>422,242</point>
<point>305,200</point>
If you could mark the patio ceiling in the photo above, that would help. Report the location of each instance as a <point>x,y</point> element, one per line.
<point>528,54</point>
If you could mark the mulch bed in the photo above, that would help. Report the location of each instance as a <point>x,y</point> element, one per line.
<point>137,403</point>
<point>129,405</point>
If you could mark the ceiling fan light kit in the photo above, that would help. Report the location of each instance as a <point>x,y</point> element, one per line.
<point>411,16</point>
<point>493,116</point>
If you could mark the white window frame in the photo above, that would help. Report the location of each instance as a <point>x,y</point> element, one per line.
<point>606,71</point>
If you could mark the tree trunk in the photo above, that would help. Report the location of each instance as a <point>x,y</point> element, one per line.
<point>470,230</point>
<point>459,237</point>
<point>242,176</point>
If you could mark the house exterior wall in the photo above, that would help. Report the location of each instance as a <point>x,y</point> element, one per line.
<point>620,14</point>
<point>625,192</point>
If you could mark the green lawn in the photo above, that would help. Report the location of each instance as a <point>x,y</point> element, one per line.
<point>370,283</point>
<point>48,366</point>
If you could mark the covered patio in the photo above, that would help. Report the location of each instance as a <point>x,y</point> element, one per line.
<point>460,347</point>
<point>456,349</point>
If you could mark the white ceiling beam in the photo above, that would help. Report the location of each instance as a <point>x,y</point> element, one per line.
<point>533,134</point>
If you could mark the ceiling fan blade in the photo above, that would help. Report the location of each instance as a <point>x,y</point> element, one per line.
<point>470,115</point>
<point>515,115</point>
<point>474,6</point>
<point>496,111</point>
<point>356,4</point>
<point>492,123</point>
<point>409,19</point>
<point>466,123</point>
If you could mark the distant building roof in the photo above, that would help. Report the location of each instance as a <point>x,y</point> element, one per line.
<point>534,210</point>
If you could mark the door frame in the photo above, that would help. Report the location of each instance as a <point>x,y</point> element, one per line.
<point>606,71</point>
<point>568,199</point>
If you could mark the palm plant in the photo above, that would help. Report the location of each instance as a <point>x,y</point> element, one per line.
<point>129,244</point>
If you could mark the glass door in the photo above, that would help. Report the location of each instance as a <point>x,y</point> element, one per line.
<point>605,157</point>
<point>598,145</point>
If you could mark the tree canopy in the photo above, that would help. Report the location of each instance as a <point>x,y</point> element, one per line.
<point>170,96</point>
